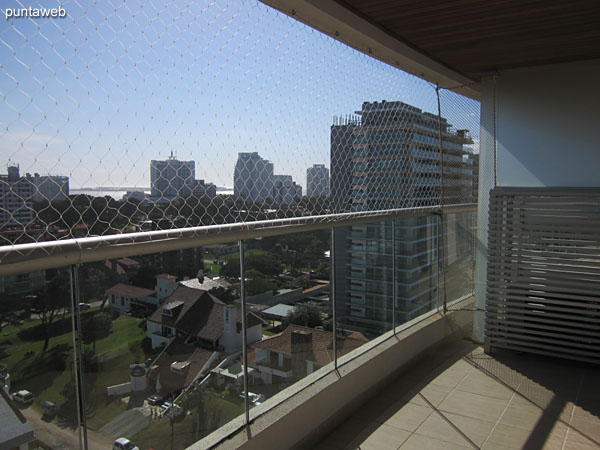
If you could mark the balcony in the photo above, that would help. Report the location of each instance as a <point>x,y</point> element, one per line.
<point>465,356</point>
<point>459,397</point>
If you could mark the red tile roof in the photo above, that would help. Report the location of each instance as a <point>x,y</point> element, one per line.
<point>321,344</point>
<point>126,290</point>
<point>128,262</point>
<point>167,276</point>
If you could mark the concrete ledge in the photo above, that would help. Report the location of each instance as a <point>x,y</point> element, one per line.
<point>302,414</point>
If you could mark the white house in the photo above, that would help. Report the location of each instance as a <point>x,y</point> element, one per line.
<point>199,317</point>
<point>122,297</point>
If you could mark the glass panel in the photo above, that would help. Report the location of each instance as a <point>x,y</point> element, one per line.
<point>36,353</point>
<point>363,282</point>
<point>459,254</point>
<point>289,322</point>
<point>153,328</point>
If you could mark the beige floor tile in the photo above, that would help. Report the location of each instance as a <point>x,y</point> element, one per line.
<point>323,446</point>
<point>419,442</point>
<point>409,417</point>
<point>475,406</point>
<point>434,394</point>
<point>375,408</point>
<point>438,428</point>
<point>453,375</point>
<point>584,428</point>
<point>383,438</point>
<point>521,413</point>
<point>507,437</point>
<point>478,382</point>
<point>579,446</point>
<point>346,433</point>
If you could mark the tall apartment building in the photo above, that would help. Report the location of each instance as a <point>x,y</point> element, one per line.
<point>253,177</point>
<point>317,181</point>
<point>16,199</point>
<point>172,178</point>
<point>18,193</point>
<point>254,181</point>
<point>285,190</point>
<point>388,157</point>
<point>50,188</point>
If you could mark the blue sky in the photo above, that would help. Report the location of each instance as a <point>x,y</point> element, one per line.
<point>99,94</point>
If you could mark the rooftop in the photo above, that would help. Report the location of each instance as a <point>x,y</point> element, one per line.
<point>14,431</point>
<point>126,290</point>
<point>187,360</point>
<point>321,350</point>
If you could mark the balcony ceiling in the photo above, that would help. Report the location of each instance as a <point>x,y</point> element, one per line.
<point>473,37</point>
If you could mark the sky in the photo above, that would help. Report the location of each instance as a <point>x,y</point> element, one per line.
<point>99,94</point>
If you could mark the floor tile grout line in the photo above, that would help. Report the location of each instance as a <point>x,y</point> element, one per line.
<point>458,430</point>
<point>437,410</point>
<point>573,411</point>
<point>502,413</point>
<point>499,380</point>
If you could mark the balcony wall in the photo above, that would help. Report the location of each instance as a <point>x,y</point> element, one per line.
<point>543,122</point>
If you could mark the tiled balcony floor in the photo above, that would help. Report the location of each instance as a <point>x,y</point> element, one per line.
<point>460,398</point>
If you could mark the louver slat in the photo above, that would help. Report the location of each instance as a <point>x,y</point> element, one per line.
<point>543,278</point>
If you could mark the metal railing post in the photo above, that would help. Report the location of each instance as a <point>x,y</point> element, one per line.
<point>244,331</point>
<point>77,360</point>
<point>332,297</point>
<point>394,281</point>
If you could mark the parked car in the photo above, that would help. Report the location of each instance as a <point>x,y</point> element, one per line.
<point>124,444</point>
<point>24,397</point>
<point>171,408</point>
<point>154,400</point>
<point>255,399</point>
<point>84,306</point>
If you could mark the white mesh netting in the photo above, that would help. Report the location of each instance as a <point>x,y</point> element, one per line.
<point>133,116</point>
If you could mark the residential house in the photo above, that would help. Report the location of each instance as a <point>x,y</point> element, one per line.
<point>201,318</point>
<point>124,297</point>
<point>297,352</point>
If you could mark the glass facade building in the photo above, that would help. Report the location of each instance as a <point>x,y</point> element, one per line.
<point>390,158</point>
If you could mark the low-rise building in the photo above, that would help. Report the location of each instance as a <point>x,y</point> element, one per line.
<point>201,318</point>
<point>15,432</point>
<point>297,352</point>
<point>124,297</point>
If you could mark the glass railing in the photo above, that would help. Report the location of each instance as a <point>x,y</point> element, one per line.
<point>151,347</point>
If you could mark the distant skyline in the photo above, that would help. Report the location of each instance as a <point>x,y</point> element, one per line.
<point>204,81</point>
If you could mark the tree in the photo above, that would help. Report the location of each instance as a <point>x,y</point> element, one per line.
<point>231,269</point>
<point>95,279</point>
<point>256,283</point>
<point>323,271</point>
<point>264,262</point>
<point>9,305</point>
<point>304,314</point>
<point>96,328</point>
<point>54,296</point>
<point>223,294</point>
<point>145,277</point>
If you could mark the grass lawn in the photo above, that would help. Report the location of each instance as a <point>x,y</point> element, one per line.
<point>125,331</point>
<point>271,331</point>
<point>186,428</point>
<point>48,375</point>
<point>236,256</point>
<point>214,268</point>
